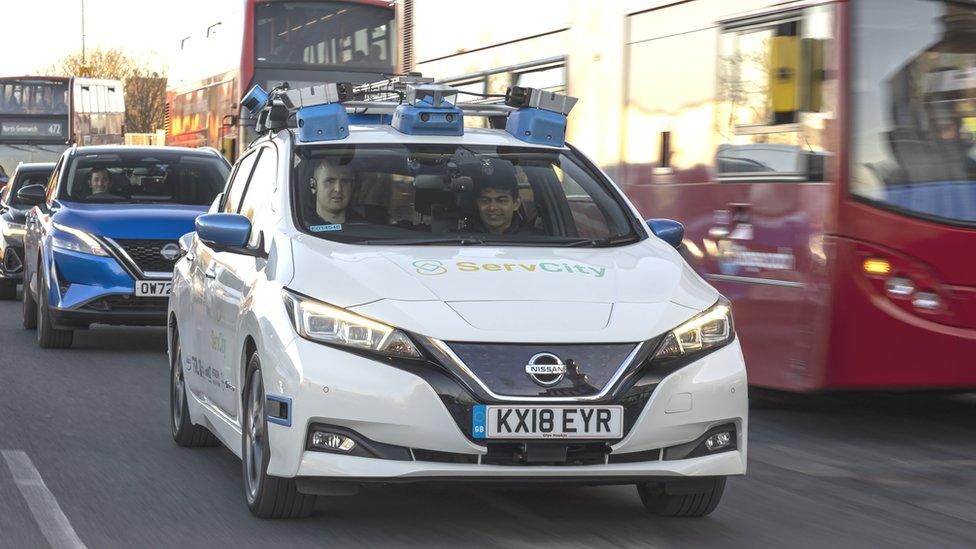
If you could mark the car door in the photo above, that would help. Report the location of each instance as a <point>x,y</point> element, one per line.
<point>208,348</point>
<point>37,226</point>
<point>236,274</point>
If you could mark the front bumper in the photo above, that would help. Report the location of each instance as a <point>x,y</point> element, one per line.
<point>88,289</point>
<point>390,405</point>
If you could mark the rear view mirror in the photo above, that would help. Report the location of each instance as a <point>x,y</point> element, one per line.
<point>667,230</point>
<point>32,194</point>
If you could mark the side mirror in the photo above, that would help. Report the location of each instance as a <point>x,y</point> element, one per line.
<point>223,231</point>
<point>667,230</point>
<point>32,194</point>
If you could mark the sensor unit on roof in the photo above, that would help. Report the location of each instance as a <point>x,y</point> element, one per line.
<point>319,111</point>
<point>255,100</point>
<point>429,110</point>
<point>541,115</point>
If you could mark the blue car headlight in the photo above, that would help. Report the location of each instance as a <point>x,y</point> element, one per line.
<point>75,240</point>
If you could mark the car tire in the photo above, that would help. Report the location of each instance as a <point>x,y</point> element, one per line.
<point>49,337</point>
<point>266,496</point>
<point>185,433</point>
<point>8,289</point>
<point>29,313</point>
<point>696,502</point>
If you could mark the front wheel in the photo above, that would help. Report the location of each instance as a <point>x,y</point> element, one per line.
<point>29,313</point>
<point>688,498</point>
<point>49,337</point>
<point>267,496</point>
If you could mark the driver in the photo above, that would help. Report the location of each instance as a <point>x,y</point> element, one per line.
<point>100,181</point>
<point>332,186</point>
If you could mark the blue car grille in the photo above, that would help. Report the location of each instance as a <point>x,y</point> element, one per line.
<point>146,254</point>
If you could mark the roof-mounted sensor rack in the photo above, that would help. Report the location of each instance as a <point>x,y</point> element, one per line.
<point>412,104</point>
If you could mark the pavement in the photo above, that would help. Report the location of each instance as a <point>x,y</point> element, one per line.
<point>87,459</point>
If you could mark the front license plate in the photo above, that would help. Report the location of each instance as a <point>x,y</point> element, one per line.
<point>153,288</point>
<point>547,421</point>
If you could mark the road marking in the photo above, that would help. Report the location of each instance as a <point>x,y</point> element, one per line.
<point>47,513</point>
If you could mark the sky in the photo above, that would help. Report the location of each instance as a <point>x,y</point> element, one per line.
<point>41,32</point>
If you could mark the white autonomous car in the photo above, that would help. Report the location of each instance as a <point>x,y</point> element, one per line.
<point>383,295</point>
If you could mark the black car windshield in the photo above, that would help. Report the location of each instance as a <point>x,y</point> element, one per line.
<point>156,177</point>
<point>24,178</point>
<point>455,195</point>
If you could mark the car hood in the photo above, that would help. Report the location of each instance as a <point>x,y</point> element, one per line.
<point>509,293</point>
<point>130,221</point>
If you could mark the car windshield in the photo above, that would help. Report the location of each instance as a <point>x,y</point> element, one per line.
<point>157,177</point>
<point>914,138</point>
<point>23,179</point>
<point>451,194</point>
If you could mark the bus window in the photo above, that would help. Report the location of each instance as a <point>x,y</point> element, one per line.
<point>770,117</point>
<point>912,146</point>
<point>326,33</point>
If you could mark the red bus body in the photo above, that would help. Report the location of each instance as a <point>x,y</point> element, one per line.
<point>321,39</point>
<point>792,255</point>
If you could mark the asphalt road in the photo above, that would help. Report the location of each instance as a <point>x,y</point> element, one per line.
<point>86,450</point>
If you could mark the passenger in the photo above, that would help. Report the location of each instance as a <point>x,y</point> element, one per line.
<point>498,199</point>
<point>59,106</point>
<point>375,57</point>
<point>333,186</point>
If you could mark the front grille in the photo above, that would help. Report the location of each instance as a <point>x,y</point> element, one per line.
<point>501,367</point>
<point>146,254</point>
<point>129,303</point>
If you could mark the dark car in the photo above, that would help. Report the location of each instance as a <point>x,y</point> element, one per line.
<point>103,238</point>
<point>13,212</point>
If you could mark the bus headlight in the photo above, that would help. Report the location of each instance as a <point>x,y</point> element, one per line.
<point>710,329</point>
<point>74,240</point>
<point>325,323</point>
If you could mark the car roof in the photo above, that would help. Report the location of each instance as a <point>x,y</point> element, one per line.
<point>35,167</point>
<point>144,149</point>
<point>386,134</point>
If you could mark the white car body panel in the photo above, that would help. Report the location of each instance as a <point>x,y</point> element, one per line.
<point>519,295</point>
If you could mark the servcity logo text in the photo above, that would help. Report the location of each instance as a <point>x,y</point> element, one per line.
<point>433,267</point>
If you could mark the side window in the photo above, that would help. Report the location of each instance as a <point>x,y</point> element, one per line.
<point>52,183</point>
<point>772,115</point>
<point>238,182</point>
<point>256,204</point>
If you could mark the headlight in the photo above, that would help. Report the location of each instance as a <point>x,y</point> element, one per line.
<point>75,240</point>
<point>317,321</point>
<point>710,329</point>
<point>13,229</point>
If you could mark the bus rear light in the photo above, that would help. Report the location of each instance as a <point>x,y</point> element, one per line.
<point>899,286</point>
<point>876,266</point>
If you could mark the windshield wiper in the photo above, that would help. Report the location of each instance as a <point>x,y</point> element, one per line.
<point>460,241</point>
<point>600,242</point>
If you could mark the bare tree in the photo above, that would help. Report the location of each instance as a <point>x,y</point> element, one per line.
<point>145,90</point>
<point>145,102</point>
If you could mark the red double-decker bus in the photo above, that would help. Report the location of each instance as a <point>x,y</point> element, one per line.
<point>820,154</point>
<point>268,42</point>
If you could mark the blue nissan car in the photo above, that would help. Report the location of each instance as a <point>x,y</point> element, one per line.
<point>103,236</point>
